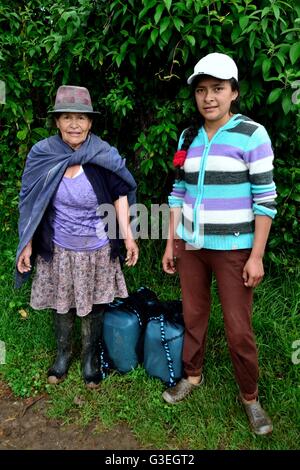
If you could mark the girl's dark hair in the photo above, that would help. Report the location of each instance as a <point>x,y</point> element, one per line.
<point>197,120</point>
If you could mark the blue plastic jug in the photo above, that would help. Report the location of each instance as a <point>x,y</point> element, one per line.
<point>121,333</point>
<point>163,344</point>
<point>123,324</point>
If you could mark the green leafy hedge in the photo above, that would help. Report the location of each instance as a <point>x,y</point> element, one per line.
<point>134,56</point>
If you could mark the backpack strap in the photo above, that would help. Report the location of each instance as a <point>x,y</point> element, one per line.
<point>104,366</point>
<point>172,381</point>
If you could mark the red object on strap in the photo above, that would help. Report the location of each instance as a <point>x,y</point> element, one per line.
<point>179,158</point>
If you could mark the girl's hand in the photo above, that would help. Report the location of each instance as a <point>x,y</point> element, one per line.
<point>23,264</point>
<point>253,272</point>
<point>132,254</point>
<point>168,261</point>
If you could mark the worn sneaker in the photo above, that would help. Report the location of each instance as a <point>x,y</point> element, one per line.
<point>260,422</point>
<point>175,394</point>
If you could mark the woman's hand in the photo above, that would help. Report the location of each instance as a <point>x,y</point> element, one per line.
<point>168,260</point>
<point>132,252</point>
<point>122,211</point>
<point>253,271</point>
<point>23,264</point>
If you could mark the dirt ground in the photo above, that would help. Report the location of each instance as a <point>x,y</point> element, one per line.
<point>24,426</point>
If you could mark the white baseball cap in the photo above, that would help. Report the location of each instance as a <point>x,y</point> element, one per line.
<point>216,65</point>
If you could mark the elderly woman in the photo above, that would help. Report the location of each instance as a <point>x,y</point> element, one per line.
<point>67,178</point>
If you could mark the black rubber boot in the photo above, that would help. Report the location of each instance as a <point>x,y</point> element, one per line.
<point>91,330</point>
<point>63,331</point>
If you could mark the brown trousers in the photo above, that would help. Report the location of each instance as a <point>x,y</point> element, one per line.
<point>195,268</point>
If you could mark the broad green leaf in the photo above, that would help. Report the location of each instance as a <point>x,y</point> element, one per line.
<point>178,23</point>
<point>57,44</point>
<point>161,44</point>
<point>198,19</point>
<point>284,48</point>
<point>276,11</point>
<point>198,6</point>
<point>123,48</point>
<point>264,24</point>
<point>22,134</point>
<point>166,35</point>
<point>295,52</point>
<point>119,59</point>
<point>208,30</point>
<point>158,13</point>
<point>64,18</point>
<point>147,7</point>
<point>252,39</point>
<point>286,104</point>
<point>280,56</point>
<point>154,35</point>
<point>274,95</point>
<point>28,115</point>
<point>191,40</point>
<point>265,11</point>
<point>131,40</point>
<point>185,53</point>
<point>40,132</point>
<point>235,33</point>
<point>277,65</point>
<point>70,31</point>
<point>145,27</point>
<point>288,237</point>
<point>266,67</point>
<point>243,21</point>
<point>164,24</point>
<point>168,4</point>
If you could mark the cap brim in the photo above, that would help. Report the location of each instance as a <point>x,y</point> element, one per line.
<point>198,75</point>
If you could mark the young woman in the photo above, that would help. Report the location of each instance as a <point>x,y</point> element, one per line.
<point>221,213</point>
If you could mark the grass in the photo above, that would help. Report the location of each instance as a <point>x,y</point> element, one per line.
<point>212,418</point>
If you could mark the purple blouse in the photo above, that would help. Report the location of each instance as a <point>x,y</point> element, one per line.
<point>76,225</point>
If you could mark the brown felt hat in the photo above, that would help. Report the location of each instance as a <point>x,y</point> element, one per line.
<point>73,99</point>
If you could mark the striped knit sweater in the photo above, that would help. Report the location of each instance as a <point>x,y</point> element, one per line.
<point>227,181</point>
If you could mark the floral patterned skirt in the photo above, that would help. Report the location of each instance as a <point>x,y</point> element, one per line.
<point>77,280</point>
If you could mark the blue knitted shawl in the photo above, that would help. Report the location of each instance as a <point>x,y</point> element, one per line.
<point>45,166</point>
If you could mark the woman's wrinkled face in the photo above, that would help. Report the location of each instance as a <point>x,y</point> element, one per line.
<point>74,128</point>
<point>214,97</point>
